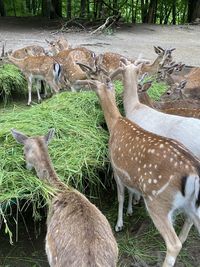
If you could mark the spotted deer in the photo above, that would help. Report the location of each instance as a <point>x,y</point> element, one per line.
<point>164,57</point>
<point>78,234</point>
<point>190,82</point>
<point>69,58</point>
<point>59,45</point>
<point>159,168</point>
<point>180,107</point>
<point>31,50</point>
<point>182,129</point>
<point>39,68</point>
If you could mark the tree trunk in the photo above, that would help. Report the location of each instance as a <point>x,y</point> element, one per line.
<point>2,9</point>
<point>46,8</point>
<point>69,9</point>
<point>174,12</point>
<point>152,11</point>
<point>56,9</point>
<point>115,7</point>
<point>83,8</point>
<point>193,10</point>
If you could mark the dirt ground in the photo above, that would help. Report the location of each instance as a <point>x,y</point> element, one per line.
<point>129,40</point>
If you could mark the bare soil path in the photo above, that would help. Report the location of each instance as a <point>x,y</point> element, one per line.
<point>129,40</point>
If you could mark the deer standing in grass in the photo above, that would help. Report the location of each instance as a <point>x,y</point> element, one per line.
<point>182,129</point>
<point>39,68</point>
<point>160,169</point>
<point>78,234</point>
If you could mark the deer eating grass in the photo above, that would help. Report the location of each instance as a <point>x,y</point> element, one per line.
<point>78,234</point>
<point>160,169</point>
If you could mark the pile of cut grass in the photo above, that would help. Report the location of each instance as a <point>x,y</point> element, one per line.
<point>79,151</point>
<point>12,82</point>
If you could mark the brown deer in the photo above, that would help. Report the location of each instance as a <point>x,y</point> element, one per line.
<point>111,61</point>
<point>78,234</point>
<point>40,68</point>
<point>164,57</point>
<point>31,50</point>
<point>59,45</point>
<point>160,169</point>
<point>180,107</point>
<point>191,82</point>
<point>73,72</point>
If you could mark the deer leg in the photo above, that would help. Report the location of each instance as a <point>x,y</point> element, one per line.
<point>185,230</point>
<point>130,203</point>
<point>54,86</point>
<point>29,91</point>
<point>195,217</point>
<point>120,195</point>
<point>162,221</point>
<point>38,90</point>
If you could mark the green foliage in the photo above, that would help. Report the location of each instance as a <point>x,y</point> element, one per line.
<point>161,11</point>
<point>12,82</point>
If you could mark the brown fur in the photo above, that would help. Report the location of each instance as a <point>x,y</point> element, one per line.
<point>179,107</point>
<point>156,167</point>
<point>78,234</point>
<point>32,50</point>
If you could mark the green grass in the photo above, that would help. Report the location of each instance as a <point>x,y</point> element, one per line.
<point>79,154</point>
<point>12,82</point>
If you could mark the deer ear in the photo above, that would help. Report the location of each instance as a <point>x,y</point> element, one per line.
<point>19,137</point>
<point>49,136</point>
<point>157,50</point>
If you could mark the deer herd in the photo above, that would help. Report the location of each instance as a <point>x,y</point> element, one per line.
<point>154,150</point>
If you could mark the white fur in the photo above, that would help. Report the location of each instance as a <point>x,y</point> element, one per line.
<point>182,129</point>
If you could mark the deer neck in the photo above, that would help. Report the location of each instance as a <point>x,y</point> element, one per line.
<point>46,171</point>
<point>110,110</point>
<point>130,95</point>
<point>153,67</point>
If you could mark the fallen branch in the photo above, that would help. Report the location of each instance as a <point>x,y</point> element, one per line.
<point>108,23</point>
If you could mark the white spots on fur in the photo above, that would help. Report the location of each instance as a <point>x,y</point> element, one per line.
<point>155,181</point>
<point>155,166</point>
<point>144,166</point>
<point>160,176</point>
<point>154,192</point>
<point>119,148</point>
<point>139,169</point>
<point>149,181</point>
<point>171,159</point>
<point>144,187</point>
<point>150,165</point>
<point>161,146</point>
<point>175,164</point>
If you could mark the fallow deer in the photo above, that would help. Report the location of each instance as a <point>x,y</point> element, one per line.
<point>31,50</point>
<point>179,107</point>
<point>78,234</point>
<point>41,68</point>
<point>111,61</point>
<point>59,45</point>
<point>159,168</point>
<point>191,81</point>
<point>164,57</point>
<point>73,72</point>
<point>182,129</point>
